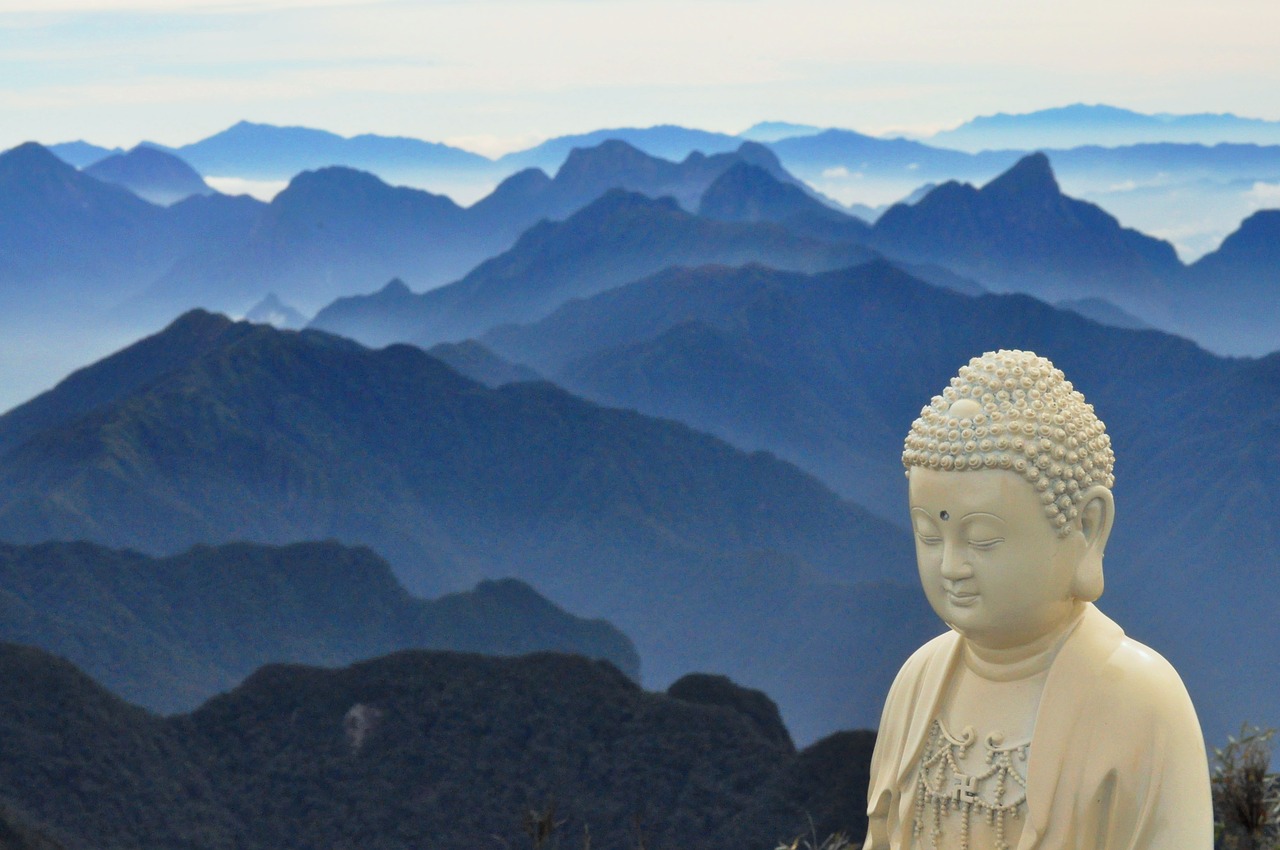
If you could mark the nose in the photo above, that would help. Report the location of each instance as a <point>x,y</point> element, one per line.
<point>954,566</point>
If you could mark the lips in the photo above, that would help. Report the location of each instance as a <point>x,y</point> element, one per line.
<point>961,597</point>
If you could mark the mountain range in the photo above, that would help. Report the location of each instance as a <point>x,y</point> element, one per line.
<point>618,238</point>
<point>828,371</point>
<point>338,231</point>
<point>715,471</point>
<point>330,231</point>
<point>1172,176</point>
<point>264,151</point>
<point>716,293</point>
<point>417,749</point>
<point>1098,124</point>
<point>214,431</point>
<point>169,633</point>
<point>80,154</point>
<point>71,238</point>
<point>665,141</point>
<point>59,227</point>
<point>94,266</point>
<point>1019,232</point>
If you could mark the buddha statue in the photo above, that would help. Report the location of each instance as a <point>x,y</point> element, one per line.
<point>1034,722</point>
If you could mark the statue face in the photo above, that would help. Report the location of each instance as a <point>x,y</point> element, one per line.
<point>990,563</point>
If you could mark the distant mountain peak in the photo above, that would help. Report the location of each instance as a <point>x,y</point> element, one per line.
<point>749,150</point>
<point>339,186</point>
<point>772,131</point>
<point>33,177</point>
<point>1073,110</point>
<point>616,200</point>
<point>197,323</point>
<point>757,154</point>
<point>1100,124</point>
<point>258,127</point>
<point>749,192</point>
<point>152,174</point>
<point>1262,222</point>
<point>1253,250</point>
<point>29,156</point>
<point>1030,177</point>
<point>1020,232</point>
<point>271,302</point>
<point>272,311</point>
<point>395,286</point>
<point>526,180</point>
<point>611,155</point>
<point>336,175</point>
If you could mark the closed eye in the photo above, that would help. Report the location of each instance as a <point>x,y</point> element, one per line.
<point>928,541</point>
<point>986,544</point>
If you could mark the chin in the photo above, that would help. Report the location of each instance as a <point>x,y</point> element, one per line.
<point>963,618</point>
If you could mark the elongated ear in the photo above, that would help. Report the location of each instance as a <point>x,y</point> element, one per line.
<point>1096,517</point>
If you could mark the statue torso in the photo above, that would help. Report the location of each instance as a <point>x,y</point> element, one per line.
<point>971,780</point>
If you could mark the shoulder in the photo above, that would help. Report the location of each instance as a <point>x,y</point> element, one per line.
<point>1124,660</point>
<point>907,710</point>
<point>934,651</point>
<point>1135,679</point>
<point>1143,676</point>
<point>1119,718</point>
<point>912,674</point>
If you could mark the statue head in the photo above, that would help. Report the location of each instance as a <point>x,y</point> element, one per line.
<point>1010,480</point>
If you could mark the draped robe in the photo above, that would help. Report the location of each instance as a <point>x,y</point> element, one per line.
<point>1117,758</point>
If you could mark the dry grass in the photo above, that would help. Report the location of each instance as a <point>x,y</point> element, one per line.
<point>1246,795</point>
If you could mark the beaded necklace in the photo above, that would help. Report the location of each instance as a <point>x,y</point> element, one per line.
<point>997,793</point>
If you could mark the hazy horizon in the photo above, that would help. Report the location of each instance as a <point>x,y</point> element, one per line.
<point>495,152</point>
<point>500,75</point>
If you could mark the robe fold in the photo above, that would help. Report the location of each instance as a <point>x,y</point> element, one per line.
<point>1117,758</point>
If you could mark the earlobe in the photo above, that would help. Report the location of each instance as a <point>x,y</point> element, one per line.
<point>1096,518</point>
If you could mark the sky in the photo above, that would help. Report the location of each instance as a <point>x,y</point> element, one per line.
<point>498,75</point>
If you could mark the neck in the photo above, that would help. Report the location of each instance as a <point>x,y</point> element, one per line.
<point>1006,664</point>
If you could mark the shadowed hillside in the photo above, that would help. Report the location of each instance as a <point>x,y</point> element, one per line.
<point>829,371</point>
<point>1233,291</point>
<point>417,749</point>
<point>63,230</point>
<point>215,431</point>
<point>169,633</point>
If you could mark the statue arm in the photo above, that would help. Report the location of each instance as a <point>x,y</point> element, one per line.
<point>895,720</point>
<point>1162,797</point>
<point>878,823</point>
<point>882,790</point>
<point>1180,817</point>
